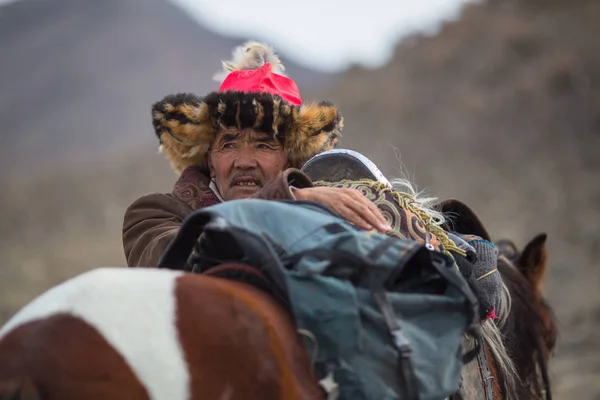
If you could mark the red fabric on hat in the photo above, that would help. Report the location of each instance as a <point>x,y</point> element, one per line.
<point>263,80</point>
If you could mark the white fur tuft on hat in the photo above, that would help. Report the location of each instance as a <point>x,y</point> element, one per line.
<point>251,55</point>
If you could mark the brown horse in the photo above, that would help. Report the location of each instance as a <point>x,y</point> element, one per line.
<point>530,331</point>
<point>518,344</point>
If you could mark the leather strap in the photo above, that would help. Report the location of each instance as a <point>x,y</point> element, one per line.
<point>476,379</point>
<point>486,375</point>
<point>408,381</point>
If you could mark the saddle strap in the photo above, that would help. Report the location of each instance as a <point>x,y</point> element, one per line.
<point>250,276</point>
<point>226,270</point>
<point>486,375</point>
<point>408,380</point>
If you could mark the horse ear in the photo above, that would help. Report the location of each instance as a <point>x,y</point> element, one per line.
<point>462,219</point>
<point>533,260</point>
<point>507,248</point>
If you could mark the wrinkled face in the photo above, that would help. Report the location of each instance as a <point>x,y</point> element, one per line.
<point>241,162</point>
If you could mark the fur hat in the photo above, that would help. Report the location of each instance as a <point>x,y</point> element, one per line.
<point>254,94</point>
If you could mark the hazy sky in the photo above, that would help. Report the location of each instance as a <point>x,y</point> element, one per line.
<point>325,34</point>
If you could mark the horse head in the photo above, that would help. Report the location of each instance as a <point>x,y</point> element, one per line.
<point>527,328</point>
<point>531,327</point>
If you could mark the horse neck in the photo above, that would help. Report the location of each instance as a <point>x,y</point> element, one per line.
<point>526,330</point>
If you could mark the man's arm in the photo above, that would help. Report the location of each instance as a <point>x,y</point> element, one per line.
<point>150,223</point>
<point>348,203</point>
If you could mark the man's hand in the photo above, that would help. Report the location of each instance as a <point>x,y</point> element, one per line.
<point>348,203</point>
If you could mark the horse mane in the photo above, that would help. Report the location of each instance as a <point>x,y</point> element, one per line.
<point>495,341</point>
<point>491,330</point>
<point>527,333</point>
<point>425,204</point>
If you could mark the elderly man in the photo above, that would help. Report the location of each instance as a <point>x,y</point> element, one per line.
<point>246,140</point>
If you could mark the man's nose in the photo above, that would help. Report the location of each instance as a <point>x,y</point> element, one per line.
<point>246,158</point>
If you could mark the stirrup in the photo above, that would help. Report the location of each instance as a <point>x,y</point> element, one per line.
<point>342,164</point>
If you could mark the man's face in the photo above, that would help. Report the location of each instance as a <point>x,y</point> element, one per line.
<point>242,162</point>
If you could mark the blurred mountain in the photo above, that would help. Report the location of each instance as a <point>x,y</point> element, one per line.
<point>77,77</point>
<point>500,109</point>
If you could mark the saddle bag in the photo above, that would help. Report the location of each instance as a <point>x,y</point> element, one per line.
<point>384,317</point>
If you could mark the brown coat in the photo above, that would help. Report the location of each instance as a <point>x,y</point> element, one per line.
<point>152,221</point>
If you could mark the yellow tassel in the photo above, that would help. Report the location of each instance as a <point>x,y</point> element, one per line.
<point>408,202</point>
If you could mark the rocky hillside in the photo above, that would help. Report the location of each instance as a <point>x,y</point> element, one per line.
<point>77,80</point>
<point>78,76</point>
<point>500,109</point>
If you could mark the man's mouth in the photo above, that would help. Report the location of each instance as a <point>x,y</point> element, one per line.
<point>251,182</point>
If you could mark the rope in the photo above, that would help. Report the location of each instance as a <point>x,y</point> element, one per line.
<point>407,202</point>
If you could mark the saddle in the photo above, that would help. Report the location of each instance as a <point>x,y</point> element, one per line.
<point>343,164</point>
<point>477,264</point>
<point>345,286</point>
<point>373,304</point>
<point>363,296</point>
<point>467,241</point>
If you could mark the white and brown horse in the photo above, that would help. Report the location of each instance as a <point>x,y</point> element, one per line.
<point>153,334</point>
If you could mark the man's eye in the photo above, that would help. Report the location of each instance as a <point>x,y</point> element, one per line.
<point>267,146</point>
<point>229,146</point>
